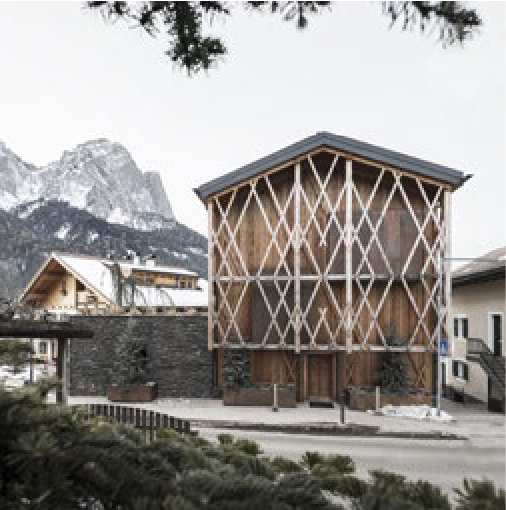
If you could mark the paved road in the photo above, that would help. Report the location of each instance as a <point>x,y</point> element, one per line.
<point>442,462</point>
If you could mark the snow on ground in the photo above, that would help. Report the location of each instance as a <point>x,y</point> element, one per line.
<point>16,379</point>
<point>422,412</point>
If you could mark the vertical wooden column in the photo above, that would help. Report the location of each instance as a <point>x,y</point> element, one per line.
<point>61,371</point>
<point>334,376</point>
<point>296,253</point>
<point>306,376</point>
<point>447,265</point>
<point>348,245</point>
<point>210,254</point>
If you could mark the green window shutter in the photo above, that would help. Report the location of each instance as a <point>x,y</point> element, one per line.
<point>455,368</point>
<point>465,328</point>
<point>466,371</point>
<point>456,327</point>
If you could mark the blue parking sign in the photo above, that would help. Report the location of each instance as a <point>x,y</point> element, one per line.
<point>443,346</point>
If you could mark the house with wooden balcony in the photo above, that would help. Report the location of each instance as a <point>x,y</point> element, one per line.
<point>81,284</point>
<point>476,368</point>
<point>164,308</point>
<point>322,256</point>
<point>70,284</point>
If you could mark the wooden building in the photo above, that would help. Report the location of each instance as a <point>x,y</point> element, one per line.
<point>70,283</point>
<point>322,255</point>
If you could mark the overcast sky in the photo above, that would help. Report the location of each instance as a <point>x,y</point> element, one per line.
<point>66,77</point>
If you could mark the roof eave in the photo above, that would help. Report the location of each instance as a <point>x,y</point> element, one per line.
<point>387,157</point>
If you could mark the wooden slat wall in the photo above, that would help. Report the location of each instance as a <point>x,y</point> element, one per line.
<point>397,234</point>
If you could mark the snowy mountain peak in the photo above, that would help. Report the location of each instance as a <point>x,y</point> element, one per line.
<point>99,176</point>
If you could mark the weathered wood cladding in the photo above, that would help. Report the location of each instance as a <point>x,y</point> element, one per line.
<point>397,234</point>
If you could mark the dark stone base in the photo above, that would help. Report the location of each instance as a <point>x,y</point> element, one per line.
<point>365,400</point>
<point>260,396</point>
<point>176,347</point>
<point>138,393</point>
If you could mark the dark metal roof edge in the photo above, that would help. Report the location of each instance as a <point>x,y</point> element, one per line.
<point>490,274</point>
<point>356,147</point>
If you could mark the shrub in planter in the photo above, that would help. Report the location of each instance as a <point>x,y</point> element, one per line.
<point>129,373</point>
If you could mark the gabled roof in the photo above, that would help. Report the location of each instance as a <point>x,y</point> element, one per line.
<point>95,273</point>
<point>489,267</point>
<point>87,269</point>
<point>341,143</point>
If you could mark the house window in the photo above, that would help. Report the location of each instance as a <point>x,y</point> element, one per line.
<point>42,348</point>
<point>460,370</point>
<point>460,327</point>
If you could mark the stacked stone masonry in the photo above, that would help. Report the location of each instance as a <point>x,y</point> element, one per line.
<point>176,348</point>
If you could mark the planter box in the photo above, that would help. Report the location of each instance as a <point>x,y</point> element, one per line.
<point>260,396</point>
<point>137,393</point>
<point>365,400</point>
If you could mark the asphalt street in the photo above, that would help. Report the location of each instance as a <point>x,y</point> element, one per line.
<point>443,462</point>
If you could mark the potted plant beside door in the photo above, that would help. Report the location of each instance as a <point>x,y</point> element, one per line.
<point>129,373</point>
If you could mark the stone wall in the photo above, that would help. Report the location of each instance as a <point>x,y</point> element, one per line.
<point>176,346</point>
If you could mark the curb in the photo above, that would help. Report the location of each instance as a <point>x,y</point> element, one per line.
<point>323,429</point>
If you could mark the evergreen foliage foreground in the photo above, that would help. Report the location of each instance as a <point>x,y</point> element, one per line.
<point>52,458</point>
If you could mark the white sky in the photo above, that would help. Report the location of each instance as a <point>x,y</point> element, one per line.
<point>67,77</point>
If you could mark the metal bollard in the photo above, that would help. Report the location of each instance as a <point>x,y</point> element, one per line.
<point>342,401</point>
<point>275,398</point>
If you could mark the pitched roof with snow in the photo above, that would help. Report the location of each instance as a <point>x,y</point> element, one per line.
<point>96,274</point>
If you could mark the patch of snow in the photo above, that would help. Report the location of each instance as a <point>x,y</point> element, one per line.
<point>28,209</point>
<point>7,200</point>
<point>117,216</point>
<point>196,251</point>
<point>63,231</point>
<point>91,237</point>
<point>10,379</point>
<point>421,412</point>
<point>178,255</point>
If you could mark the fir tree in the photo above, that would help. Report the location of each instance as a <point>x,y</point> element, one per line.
<point>184,23</point>
<point>392,375</point>
<point>129,363</point>
<point>52,457</point>
<point>237,369</point>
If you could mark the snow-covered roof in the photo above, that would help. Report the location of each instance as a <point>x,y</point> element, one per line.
<point>154,269</point>
<point>91,270</point>
<point>96,274</point>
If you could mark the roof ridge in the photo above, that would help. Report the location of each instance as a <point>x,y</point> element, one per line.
<point>374,153</point>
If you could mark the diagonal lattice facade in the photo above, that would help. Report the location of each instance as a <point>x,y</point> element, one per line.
<point>329,252</point>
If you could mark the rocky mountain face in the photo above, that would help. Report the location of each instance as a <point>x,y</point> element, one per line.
<point>98,176</point>
<point>93,201</point>
<point>29,234</point>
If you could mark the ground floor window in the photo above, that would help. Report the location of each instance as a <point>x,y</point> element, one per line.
<point>460,327</point>
<point>461,370</point>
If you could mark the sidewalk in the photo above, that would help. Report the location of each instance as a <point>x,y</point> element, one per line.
<point>469,421</point>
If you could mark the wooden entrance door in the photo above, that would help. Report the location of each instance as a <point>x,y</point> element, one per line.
<point>497,333</point>
<point>320,376</point>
